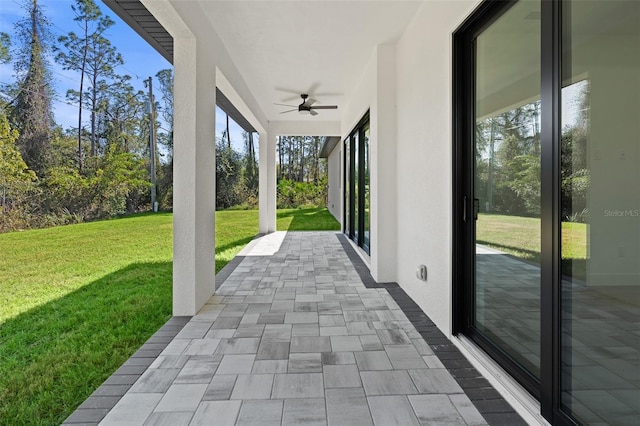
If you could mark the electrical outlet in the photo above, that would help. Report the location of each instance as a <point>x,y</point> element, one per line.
<point>421,273</point>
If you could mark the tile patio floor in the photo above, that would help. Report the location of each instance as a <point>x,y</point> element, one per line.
<point>298,333</point>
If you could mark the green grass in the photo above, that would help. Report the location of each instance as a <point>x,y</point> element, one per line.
<point>520,237</point>
<point>76,301</point>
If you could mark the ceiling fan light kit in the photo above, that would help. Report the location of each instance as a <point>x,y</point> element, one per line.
<point>306,107</point>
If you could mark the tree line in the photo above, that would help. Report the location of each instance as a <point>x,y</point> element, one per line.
<point>100,168</point>
<point>507,163</point>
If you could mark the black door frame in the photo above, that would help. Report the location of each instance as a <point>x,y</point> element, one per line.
<point>356,223</point>
<point>547,388</point>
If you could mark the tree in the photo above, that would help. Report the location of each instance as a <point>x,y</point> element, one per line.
<point>93,56</point>
<point>165,78</point>
<point>5,48</point>
<point>15,177</point>
<point>31,112</point>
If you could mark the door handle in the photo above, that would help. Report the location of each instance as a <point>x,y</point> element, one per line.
<point>476,208</point>
<point>464,208</point>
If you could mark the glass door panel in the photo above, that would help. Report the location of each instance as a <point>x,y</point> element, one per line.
<point>356,187</point>
<point>507,185</point>
<point>366,240</point>
<point>600,209</point>
<point>347,187</point>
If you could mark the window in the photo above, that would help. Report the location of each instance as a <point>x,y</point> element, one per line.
<point>357,185</point>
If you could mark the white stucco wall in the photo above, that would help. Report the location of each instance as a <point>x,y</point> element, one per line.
<point>425,146</point>
<point>334,198</point>
<point>408,89</point>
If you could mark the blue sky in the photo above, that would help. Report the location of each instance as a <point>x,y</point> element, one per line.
<point>141,60</point>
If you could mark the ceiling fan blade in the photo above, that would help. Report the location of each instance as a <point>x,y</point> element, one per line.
<point>292,106</point>
<point>325,107</point>
<point>310,102</point>
<point>291,110</point>
<point>312,112</point>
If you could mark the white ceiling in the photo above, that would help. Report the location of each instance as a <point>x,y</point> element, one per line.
<point>285,48</point>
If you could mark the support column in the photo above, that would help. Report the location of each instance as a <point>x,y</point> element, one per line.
<point>267,185</point>
<point>384,216</point>
<point>194,195</point>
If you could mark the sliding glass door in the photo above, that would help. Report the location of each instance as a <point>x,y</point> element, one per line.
<point>547,200</point>
<point>356,196</point>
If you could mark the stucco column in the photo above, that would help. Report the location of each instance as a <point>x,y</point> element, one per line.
<point>194,195</point>
<point>384,239</point>
<point>267,185</point>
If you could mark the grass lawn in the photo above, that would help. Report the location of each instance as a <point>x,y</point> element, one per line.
<point>76,301</point>
<point>520,237</point>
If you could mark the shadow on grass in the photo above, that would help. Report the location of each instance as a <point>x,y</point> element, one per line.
<point>313,219</point>
<point>54,356</point>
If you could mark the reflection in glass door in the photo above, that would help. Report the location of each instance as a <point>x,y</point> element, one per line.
<point>507,185</point>
<point>600,209</point>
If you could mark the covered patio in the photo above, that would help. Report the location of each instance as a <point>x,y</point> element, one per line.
<point>298,333</point>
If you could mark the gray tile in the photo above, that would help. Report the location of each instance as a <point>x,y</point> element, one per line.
<point>244,345</point>
<point>254,330</point>
<point>467,410</point>
<point>341,376</point>
<point>387,383</point>
<point>371,342</point>
<point>432,361</point>
<point>333,331</point>
<point>434,381</point>
<point>310,344</point>
<point>253,386</point>
<point>305,330</point>
<point>133,408</point>
<point>225,323</point>
<point>392,411</point>
<point>404,356</point>
<point>155,380</point>
<point>236,364</point>
<point>337,358</point>
<point>271,318</point>
<point>298,385</point>
<point>347,407</point>
<point>282,306</point>
<point>277,333</point>
<point>393,337</point>
<point>422,347</point>
<point>222,333</point>
<point>360,328</point>
<point>194,330</point>
<point>301,318</point>
<point>345,343</point>
<point>331,320</point>
<point>169,419</point>
<point>259,413</point>
<point>273,350</point>
<point>270,366</point>
<point>169,361</point>
<point>182,397</point>
<point>304,411</point>
<point>199,370</point>
<point>435,410</point>
<point>305,363</point>
<point>373,360</point>
<point>225,413</point>
<point>360,316</point>
<point>220,387</point>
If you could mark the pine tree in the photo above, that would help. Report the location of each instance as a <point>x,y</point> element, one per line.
<point>31,112</point>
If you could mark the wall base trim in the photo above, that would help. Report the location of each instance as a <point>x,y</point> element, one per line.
<point>522,401</point>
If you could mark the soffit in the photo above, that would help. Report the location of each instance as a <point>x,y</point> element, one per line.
<point>285,48</point>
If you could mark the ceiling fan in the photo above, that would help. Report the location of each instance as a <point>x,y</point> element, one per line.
<point>306,107</point>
